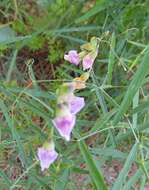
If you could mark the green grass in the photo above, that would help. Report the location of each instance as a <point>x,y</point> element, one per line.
<point>113,126</point>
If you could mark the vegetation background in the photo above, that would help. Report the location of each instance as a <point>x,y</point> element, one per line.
<point>109,148</point>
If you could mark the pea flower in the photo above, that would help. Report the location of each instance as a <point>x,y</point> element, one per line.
<point>76,104</point>
<point>72,57</point>
<point>68,105</point>
<point>47,155</point>
<point>89,53</point>
<point>87,62</point>
<point>89,59</point>
<point>64,125</point>
<point>80,82</point>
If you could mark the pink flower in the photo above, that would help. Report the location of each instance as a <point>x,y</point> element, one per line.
<point>72,57</point>
<point>87,62</point>
<point>67,106</point>
<point>46,155</point>
<point>64,125</point>
<point>76,104</point>
<point>70,104</point>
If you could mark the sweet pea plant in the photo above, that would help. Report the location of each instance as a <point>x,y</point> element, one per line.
<point>68,104</point>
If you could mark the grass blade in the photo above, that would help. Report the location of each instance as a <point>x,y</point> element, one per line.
<point>62,181</point>
<point>123,174</point>
<point>133,87</point>
<point>76,29</point>
<point>94,172</point>
<point>12,65</point>
<point>133,180</point>
<point>104,108</point>
<point>111,59</point>
<point>14,133</point>
<point>135,104</point>
<point>100,6</point>
<point>129,133</point>
<point>5,178</point>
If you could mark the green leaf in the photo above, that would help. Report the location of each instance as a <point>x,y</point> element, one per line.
<point>133,180</point>
<point>76,29</point>
<point>109,152</point>
<point>102,122</point>
<point>129,133</point>
<point>135,84</point>
<point>135,104</point>
<point>99,6</point>
<point>12,65</point>
<point>94,172</point>
<point>5,178</point>
<point>111,59</point>
<point>63,180</point>
<point>15,135</point>
<point>123,174</point>
<point>144,106</point>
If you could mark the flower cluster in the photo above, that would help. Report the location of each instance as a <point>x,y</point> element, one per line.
<point>87,55</point>
<point>68,105</point>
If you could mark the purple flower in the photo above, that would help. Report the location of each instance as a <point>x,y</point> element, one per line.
<point>46,157</point>
<point>64,125</point>
<point>75,103</point>
<point>87,62</point>
<point>72,57</point>
<point>70,104</point>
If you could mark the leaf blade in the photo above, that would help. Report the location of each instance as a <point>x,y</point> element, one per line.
<point>100,6</point>
<point>123,174</point>
<point>94,172</point>
<point>135,84</point>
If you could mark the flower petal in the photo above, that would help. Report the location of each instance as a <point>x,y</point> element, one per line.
<point>87,62</point>
<point>72,57</point>
<point>76,104</point>
<point>79,82</point>
<point>64,125</point>
<point>46,157</point>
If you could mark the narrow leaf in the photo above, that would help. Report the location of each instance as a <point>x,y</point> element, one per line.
<point>94,172</point>
<point>99,6</point>
<point>12,65</point>
<point>111,59</point>
<point>14,133</point>
<point>135,84</point>
<point>5,178</point>
<point>123,174</point>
